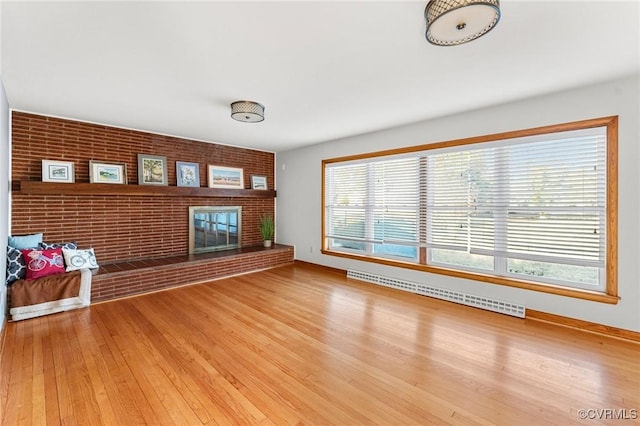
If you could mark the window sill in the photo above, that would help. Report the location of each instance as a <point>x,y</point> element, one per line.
<point>527,285</point>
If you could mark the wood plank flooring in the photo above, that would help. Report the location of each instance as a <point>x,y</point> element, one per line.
<point>305,345</point>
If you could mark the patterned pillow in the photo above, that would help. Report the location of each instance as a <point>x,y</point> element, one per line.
<point>16,268</point>
<point>48,246</point>
<point>79,259</point>
<point>42,263</point>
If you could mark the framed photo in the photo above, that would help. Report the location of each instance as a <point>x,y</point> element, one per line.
<point>225,177</point>
<point>57,171</point>
<point>188,174</point>
<point>259,182</point>
<point>152,170</point>
<point>100,172</point>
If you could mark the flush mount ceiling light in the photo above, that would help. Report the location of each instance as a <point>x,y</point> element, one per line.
<point>247,111</point>
<point>453,22</point>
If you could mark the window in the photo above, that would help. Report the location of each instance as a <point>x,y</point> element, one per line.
<point>533,208</point>
<point>373,207</point>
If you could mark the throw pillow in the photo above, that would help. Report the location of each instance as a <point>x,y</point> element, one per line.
<point>25,241</point>
<point>80,259</point>
<point>47,246</point>
<point>16,268</point>
<point>41,263</point>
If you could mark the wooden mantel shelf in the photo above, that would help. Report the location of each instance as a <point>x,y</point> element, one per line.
<point>52,188</point>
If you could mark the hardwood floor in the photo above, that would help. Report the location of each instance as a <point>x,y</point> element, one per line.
<point>304,345</point>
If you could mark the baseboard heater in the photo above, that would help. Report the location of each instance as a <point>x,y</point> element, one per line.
<point>486,303</point>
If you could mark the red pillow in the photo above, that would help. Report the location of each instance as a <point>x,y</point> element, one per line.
<point>41,263</point>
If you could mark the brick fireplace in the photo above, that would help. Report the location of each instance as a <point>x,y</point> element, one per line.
<point>122,227</point>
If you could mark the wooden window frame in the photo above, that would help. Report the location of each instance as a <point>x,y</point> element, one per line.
<point>610,295</point>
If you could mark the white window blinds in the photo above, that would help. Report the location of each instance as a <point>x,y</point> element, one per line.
<point>460,200</point>
<point>532,207</point>
<point>346,200</point>
<point>531,200</point>
<point>374,203</point>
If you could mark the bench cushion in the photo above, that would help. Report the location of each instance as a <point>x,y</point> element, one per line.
<point>55,293</point>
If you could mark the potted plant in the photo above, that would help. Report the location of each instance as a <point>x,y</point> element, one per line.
<point>266,228</point>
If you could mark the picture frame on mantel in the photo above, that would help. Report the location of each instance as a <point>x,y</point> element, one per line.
<point>187,174</point>
<point>57,171</point>
<point>100,172</point>
<point>152,170</point>
<point>259,182</point>
<point>226,177</point>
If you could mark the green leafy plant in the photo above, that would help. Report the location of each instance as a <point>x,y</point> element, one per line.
<point>266,227</point>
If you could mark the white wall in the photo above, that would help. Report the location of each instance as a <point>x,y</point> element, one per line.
<point>299,199</point>
<point>4,198</point>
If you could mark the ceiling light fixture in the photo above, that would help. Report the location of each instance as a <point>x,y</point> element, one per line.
<point>453,22</point>
<point>247,111</point>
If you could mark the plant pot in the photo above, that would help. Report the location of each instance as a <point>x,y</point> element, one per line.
<point>267,243</point>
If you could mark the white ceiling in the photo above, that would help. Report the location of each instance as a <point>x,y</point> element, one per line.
<point>323,70</point>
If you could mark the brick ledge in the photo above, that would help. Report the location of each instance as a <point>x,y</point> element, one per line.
<point>122,267</point>
<point>124,279</point>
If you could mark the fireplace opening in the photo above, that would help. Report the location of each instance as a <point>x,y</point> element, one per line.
<point>213,228</point>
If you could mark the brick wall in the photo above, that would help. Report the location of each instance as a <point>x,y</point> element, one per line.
<point>121,227</point>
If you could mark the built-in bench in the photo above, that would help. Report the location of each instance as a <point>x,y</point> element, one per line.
<point>127,278</point>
